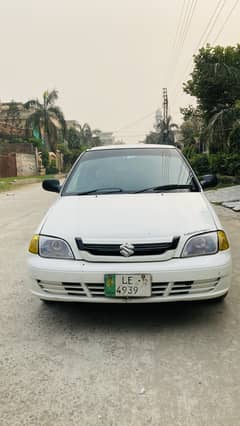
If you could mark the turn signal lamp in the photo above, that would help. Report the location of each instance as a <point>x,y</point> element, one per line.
<point>33,247</point>
<point>223,243</point>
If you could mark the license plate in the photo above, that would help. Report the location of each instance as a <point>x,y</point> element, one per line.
<point>128,285</point>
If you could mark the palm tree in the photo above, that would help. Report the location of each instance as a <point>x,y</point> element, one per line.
<point>223,127</point>
<point>47,118</point>
<point>165,130</point>
<point>85,134</point>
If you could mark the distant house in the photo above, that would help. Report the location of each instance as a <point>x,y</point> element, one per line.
<point>13,119</point>
<point>106,138</point>
<point>20,159</point>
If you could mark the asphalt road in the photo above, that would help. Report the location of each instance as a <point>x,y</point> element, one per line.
<point>76,364</point>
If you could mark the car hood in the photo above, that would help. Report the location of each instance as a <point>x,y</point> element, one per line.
<point>129,217</point>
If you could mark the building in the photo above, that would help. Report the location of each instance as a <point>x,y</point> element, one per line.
<point>106,138</point>
<point>19,159</point>
<point>13,119</point>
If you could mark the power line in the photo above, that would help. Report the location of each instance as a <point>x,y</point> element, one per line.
<point>184,36</point>
<point>132,124</point>
<point>206,33</point>
<point>226,21</point>
<point>181,35</point>
<point>185,19</point>
<point>175,42</point>
<point>188,24</point>
<point>214,22</point>
<point>179,22</point>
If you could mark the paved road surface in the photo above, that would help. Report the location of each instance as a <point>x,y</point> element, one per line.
<point>72,364</point>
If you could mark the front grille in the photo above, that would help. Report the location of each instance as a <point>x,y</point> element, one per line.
<point>159,289</point>
<point>151,249</point>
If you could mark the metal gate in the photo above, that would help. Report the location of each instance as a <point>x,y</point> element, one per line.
<point>8,165</point>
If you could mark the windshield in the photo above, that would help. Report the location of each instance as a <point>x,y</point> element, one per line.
<point>129,171</point>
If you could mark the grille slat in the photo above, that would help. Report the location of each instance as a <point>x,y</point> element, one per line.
<point>202,290</point>
<point>144,249</point>
<point>159,289</point>
<point>58,291</point>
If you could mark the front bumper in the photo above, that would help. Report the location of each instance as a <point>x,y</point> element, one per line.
<point>196,278</point>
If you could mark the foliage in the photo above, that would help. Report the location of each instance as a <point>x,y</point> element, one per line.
<point>190,151</point>
<point>192,130</point>
<point>215,82</point>
<point>221,163</point>
<point>164,133</point>
<point>215,79</point>
<point>225,164</point>
<point>70,157</point>
<point>73,137</point>
<point>52,169</point>
<point>152,138</point>
<point>9,183</point>
<point>82,136</point>
<point>45,158</point>
<point>200,164</point>
<point>47,118</point>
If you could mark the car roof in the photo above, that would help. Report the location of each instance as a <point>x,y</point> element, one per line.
<point>126,146</point>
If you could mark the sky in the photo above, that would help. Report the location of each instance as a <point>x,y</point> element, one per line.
<point>109,59</point>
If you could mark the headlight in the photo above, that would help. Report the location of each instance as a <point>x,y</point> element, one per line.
<point>54,248</point>
<point>33,246</point>
<point>201,245</point>
<point>223,243</point>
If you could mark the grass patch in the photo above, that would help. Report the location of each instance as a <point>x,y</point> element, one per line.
<point>223,185</point>
<point>8,183</point>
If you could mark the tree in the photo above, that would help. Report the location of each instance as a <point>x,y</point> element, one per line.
<point>166,131</point>
<point>215,82</point>
<point>96,140</point>
<point>152,138</point>
<point>85,134</point>
<point>73,138</point>
<point>192,130</point>
<point>47,118</point>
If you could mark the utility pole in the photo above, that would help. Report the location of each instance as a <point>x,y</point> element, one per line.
<point>165,105</point>
<point>165,115</point>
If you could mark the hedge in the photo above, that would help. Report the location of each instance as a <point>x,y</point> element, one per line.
<point>223,164</point>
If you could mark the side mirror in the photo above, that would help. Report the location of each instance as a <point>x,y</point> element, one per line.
<point>52,185</point>
<point>209,181</point>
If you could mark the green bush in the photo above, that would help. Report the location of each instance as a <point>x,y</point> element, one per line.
<point>225,164</point>
<point>200,164</point>
<point>52,169</point>
<point>190,151</point>
<point>221,164</point>
<point>45,158</point>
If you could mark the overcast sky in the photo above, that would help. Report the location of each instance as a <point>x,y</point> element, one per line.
<point>109,59</point>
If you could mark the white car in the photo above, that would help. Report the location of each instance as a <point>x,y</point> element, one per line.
<point>131,224</point>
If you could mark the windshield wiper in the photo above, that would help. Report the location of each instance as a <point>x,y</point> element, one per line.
<point>99,191</point>
<point>164,188</point>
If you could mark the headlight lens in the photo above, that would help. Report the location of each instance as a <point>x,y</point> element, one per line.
<point>223,243</point>
<point>33,246</point>
<point>201,245</point>
<point>54,248</point>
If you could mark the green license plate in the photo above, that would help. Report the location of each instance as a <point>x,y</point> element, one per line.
<point>127,285</point>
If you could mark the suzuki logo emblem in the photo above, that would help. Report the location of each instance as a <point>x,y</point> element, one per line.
<point>127,249</point>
